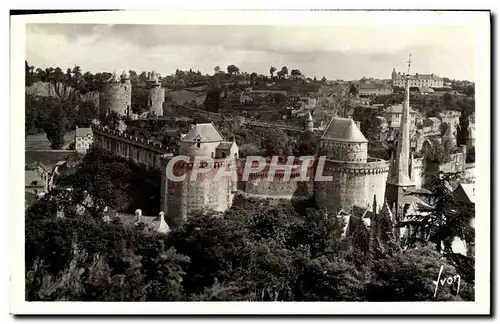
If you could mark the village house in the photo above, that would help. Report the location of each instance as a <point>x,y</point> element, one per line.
<point>393,115</point>
<point>83,139</point>
<point>450,117</point>
<point>431,125</point>
<point>374,89</point>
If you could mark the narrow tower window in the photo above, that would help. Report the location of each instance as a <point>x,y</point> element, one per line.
<point>198,144</point>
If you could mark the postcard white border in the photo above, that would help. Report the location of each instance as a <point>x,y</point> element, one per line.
<point>480,21</point>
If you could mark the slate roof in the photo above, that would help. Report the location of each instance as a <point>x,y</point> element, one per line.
<point>47,158</point>
<point>465,192</point>
<point>225,145</point>
<point>81,132</point>
<point>425,89</point>
<point>372,86</point>
<point>206,133</point>
<point>397,109</point>
<point>434,120</point>
<point>30,176</point>
<point>343,130</point>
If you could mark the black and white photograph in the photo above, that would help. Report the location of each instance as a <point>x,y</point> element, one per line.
<point>264,158</point>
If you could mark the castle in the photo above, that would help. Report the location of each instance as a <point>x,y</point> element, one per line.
<point>356,181</point>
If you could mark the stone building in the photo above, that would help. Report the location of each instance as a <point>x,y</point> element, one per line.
<point>83,139</point>
<point>204,192</point>
<point>450,117</point>
<point>375,89</point>
<point>116,96</point>
<point>417,80</point>
<point>156,94</point>
<point>356,178</point>
<point>393,115</point>
<point>431,125</point>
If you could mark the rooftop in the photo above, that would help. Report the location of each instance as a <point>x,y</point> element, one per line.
<point>81,132</point>
<point>204,132</point>
<point>465,192</point>
<point>397,109</point>
<point>370,86</point>
<point>48,158</point>
<point>30,176</point>
<point>225,145</point>
<point>343,130</point>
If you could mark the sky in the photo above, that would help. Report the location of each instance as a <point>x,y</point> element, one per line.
<point>332,51</point>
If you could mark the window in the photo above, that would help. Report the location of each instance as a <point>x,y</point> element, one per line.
<point>34,183</point>
<point>198,144</point>
<point>223,155</point>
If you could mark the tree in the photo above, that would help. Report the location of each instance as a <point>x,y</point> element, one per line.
<point>272,69</point>
<point>295,73</point>
<point>408,276</point>
<point>253,78</point>
<point>323,80</point>
<point>217,69</point>
<point>55,126</point>
<point>111,120</point>
<point>353,90</point>
<point>469,90</point>
<point>283,72</point>
<point>306,144</point>
<point>100,181</point>
<point>444,218</point>
<point>29,75</point>
<point>233,69</point>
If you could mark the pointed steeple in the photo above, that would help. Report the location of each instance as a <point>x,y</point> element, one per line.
<point>309,127</point>
<point>399,171</point>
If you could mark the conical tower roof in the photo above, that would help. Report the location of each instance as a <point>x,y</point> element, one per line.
<point>343,130</point>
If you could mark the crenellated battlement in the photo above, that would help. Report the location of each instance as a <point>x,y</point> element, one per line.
<point>372,166</point>
<point>150,145</point>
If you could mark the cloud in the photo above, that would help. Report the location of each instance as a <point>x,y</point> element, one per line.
<point>337,52</point>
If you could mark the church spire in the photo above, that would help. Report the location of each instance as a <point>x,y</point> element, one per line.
<point>399,171</point>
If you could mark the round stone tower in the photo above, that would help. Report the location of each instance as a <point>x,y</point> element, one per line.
<point>116,96</point>
<point>354,178</point>
<point>200,191</point>
<point>156,95</point>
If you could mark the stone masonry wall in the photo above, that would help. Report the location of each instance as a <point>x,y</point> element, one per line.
<point>204,194</point>
<point>352,184</point>
<point>117,97</point>
<point>139,151</point>
<point>340,151</point>
<point>156,100</point>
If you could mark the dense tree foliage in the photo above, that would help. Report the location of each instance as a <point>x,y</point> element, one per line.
<point>105,180</point>
<point>257,251</point>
